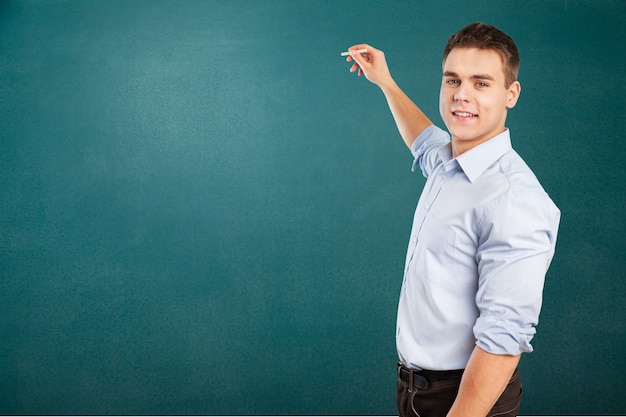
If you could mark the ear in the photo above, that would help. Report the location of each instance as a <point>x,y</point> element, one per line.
<point>514,91</point>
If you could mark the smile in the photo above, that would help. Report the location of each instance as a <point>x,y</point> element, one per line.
<point>463,114</point>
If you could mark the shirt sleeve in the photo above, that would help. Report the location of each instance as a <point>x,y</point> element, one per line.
<point>517,242</point>
<point>425,148</point>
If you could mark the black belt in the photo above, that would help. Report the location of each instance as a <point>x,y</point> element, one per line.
<point>420,379</point>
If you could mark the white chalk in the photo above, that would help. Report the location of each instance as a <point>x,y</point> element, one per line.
<point>358,51</point>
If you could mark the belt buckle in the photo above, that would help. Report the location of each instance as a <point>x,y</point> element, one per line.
<point>413,377</point>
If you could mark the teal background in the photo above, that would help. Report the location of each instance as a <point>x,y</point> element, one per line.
<point>203,212</point>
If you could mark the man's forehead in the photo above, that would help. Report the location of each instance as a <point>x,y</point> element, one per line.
<point>474,61</point>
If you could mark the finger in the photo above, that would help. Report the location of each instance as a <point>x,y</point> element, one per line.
<point>361,63</point>
<point>359,46</point>
<point>362,59</point>
<point>354,55</point>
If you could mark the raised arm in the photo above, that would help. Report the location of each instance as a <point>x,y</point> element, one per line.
<point>410,120</point>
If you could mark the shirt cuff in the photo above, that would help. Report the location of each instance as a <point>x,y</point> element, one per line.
<point>501,338</point>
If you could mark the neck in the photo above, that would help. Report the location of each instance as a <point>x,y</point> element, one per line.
<point>460,146</point>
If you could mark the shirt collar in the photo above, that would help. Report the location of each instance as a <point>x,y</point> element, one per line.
<point>475,161</point>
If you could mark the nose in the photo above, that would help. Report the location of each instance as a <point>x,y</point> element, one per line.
<point>462,94</point>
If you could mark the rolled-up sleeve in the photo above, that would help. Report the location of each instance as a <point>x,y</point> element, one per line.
<point>425,148</point>
<point>517,243</point>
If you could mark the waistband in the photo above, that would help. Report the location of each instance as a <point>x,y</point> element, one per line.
<point>420,378</point>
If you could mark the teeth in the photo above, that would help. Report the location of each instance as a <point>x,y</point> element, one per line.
<point>463,114</point>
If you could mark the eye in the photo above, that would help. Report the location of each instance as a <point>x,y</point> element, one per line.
<point>452,82</point>
<point>481,85</point>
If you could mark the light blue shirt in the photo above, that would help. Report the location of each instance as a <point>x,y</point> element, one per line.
<point>484,234</point>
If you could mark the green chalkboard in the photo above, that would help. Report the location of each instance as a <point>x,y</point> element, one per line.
<point>203,212</point>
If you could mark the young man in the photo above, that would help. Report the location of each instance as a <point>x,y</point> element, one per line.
<point>484,234</point>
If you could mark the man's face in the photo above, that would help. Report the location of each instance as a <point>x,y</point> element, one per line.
<point>474,100</point>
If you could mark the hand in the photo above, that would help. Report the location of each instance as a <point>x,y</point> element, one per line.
<point>372,64</point>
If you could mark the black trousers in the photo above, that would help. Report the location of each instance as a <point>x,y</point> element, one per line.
<point>433,397</point>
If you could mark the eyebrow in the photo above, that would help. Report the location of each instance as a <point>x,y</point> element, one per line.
<point>475,77</point>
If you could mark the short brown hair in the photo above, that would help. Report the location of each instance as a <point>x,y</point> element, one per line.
<point>484,36</point>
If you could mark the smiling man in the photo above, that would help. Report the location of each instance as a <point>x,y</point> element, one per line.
<point>483,236</point>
